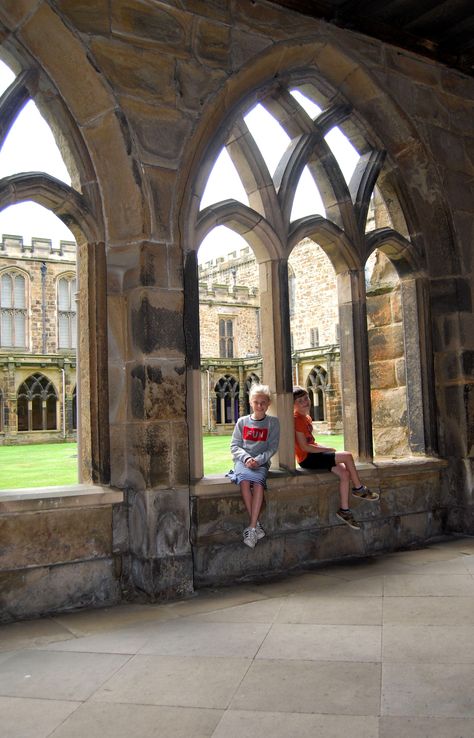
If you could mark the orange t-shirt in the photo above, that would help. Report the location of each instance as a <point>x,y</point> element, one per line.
<point>303,424</point>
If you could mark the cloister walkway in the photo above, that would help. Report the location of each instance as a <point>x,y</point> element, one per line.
<point>375,648</point>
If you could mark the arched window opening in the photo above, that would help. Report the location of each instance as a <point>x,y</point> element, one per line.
<point>227,400</point>
<point>251,379</point>
<point>320,244</point>
<point>13,310</point>
<point>316,350</point>
<point>229,327</point>
<point>316,385</point>
<point>37,404</point>
<point>36,331</point>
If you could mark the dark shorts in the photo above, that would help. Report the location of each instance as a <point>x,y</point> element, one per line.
<point>324,461</point>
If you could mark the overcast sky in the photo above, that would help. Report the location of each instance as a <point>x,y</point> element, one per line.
<point>30,146</point>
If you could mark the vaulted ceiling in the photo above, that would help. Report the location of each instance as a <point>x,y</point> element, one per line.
<point>442,30</point>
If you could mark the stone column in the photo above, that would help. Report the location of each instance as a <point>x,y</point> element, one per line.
<point>276,352</point>
<point>417,361</point>
<point>355,374</point>
<point>149,391</point>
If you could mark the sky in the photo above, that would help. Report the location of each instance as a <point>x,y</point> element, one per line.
<point>30,146</point>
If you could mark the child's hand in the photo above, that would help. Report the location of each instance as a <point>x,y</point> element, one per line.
<point>251,464</point>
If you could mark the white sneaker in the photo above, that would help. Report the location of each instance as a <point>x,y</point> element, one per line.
<point>259,531</point>
<point>250,537</point>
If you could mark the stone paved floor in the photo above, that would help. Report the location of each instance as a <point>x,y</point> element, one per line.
<point>375,648</point>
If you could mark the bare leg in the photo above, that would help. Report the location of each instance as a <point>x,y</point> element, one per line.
<point>344,457</point>
<point>247,497</point>
<point>257,500</point>
<point>344,479</point>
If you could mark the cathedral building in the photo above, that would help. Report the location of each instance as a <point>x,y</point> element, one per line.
<point>37,341</point>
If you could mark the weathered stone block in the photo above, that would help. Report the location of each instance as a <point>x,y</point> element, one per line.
<point>149,455</point>
<point>161,131</point>
<point>89,16</point>
<point>156,390</point>
<point>389,407</point>
<point>136,71</point>
<point>382,374</point>
<point>168,578</point>
<point>392,442</point>
<point>156,323</point>
<point>386,343</point>
<point>194,85</point>
<point>166,28</point>
<point>212,43</point>
<point>379,311</point>
<point>53,537</point>
<point>162,183</point>
<point>37,592</point>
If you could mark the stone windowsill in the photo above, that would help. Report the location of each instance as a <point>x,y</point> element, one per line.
<point>384,468</point>
<point>47,498</point>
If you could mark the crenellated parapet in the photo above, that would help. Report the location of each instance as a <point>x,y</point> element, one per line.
<point>14,247</point>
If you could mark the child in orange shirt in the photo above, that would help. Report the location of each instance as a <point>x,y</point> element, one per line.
<point>311,455</point>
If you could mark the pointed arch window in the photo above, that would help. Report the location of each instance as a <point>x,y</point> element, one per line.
<point>227,399</point>
<point>37,402</point>
<point>324,152</point>
<point>13,310</point>
<point>316,386</point>
<point>251,379</point>
<point>67,323</point>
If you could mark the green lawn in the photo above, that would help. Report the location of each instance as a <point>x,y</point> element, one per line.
<point>53,464</point>
<point>38,465</point>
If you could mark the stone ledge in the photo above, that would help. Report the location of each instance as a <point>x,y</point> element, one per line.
<point>13,501</point>
<point>221,486</point>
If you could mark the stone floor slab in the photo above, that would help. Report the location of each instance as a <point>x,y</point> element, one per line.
<point>323,609</point>
<point>40,632</point>
<point>59,676</point>
<point>429,644</point>
<point>429,610</point>
<point>31,718</point>
<point>245,724</point>
<point>322,642</point>
<point>429,585</point>
<point>96,720</point>
<point>175,681</point>
<point>426,728</point>
<point>428,690</point>
<point>339,688</point>
<point>189,637</point>
<point>261,611</point>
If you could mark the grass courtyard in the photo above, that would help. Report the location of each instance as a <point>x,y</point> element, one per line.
<point>53,464</point>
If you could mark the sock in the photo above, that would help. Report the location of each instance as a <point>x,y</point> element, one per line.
<point>345,509</point>
<point>358,488</point>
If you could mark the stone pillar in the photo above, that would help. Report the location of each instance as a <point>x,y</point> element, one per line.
<point>419,383</point>
<point>355,375</point>
<point>276,353</point>
<point>149,385</point>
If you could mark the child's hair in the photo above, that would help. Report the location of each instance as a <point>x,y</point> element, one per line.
<point>260,389</point>
<point>298,392</point>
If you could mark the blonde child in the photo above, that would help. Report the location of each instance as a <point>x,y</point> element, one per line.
<point>254,441</point>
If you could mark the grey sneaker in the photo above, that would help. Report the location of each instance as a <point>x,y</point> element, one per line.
<point>364,493</point>
<point>347,517</point>
<point>259,531</point>
<point>250,537</point>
